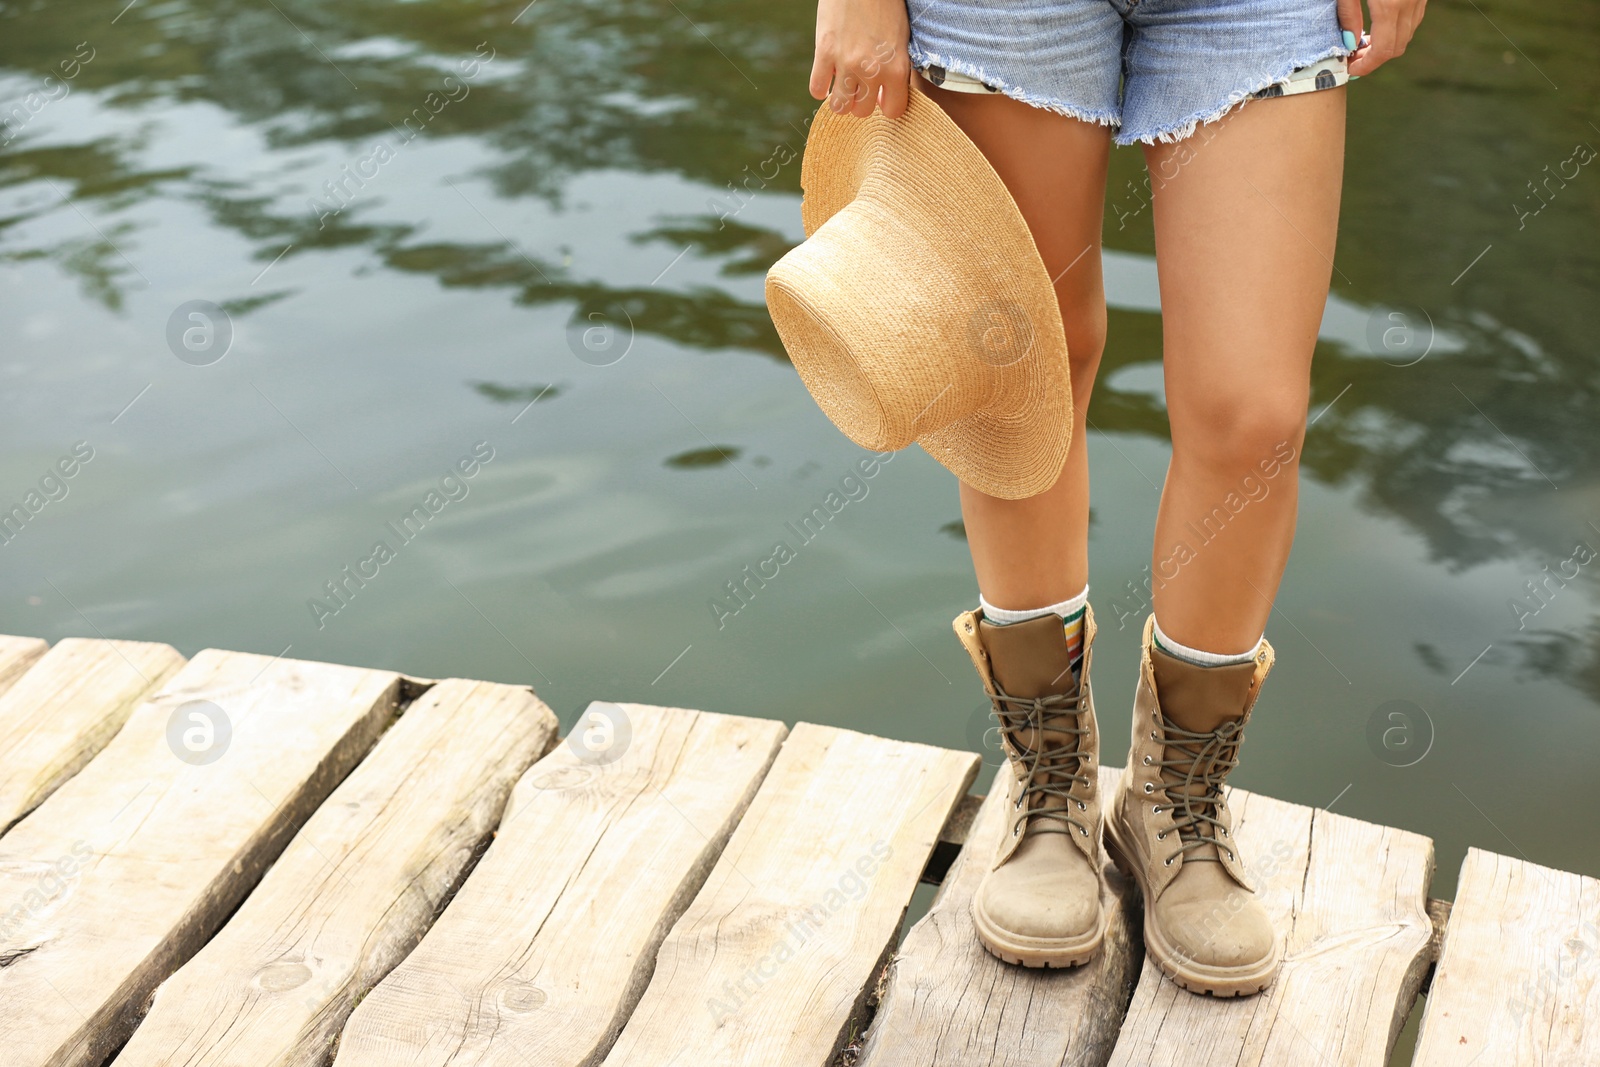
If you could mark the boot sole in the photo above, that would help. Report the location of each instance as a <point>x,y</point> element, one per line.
<point>1039,952</point>
<point>1195,977</point>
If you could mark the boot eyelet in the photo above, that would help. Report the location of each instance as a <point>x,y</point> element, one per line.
<point>1016,830</point>
<point>1082,806</point>
<point>1224,831</point>
<point>1147,761</point>
<point>1229,852</point>
<point>1085,833</point>
<point>1149,787</point>
<point>1167,862</point>
<point>1162,836</point>
<point>1153,736</point>
<point>1156,810</point>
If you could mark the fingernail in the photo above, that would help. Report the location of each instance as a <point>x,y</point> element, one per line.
<point>1350,40</point>
<point>1354,78</point>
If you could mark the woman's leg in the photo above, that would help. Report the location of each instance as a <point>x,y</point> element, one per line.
<point>1040,903</point>
<point>1034,552</point>
<point>1246,214</point>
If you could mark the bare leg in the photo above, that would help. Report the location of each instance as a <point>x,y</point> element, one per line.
<point>1034,552</point>
<point>1040,903</point>
<point>1245,217</point>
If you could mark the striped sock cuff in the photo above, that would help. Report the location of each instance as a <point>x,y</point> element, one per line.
<point>1073,628</point>
<point>1067,609</point>
<point>1200,658</point>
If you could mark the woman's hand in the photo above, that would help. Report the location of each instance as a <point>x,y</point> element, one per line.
<point>1393,23</point>
<point>861,56</point>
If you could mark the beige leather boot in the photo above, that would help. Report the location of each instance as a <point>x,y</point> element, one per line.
<point>1040,905</point>
<point>1169,826</point>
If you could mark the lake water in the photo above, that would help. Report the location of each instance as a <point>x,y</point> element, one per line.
<point>435,238</point>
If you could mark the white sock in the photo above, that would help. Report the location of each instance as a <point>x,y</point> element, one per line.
<point>1204,659</point>
<point>1066,609</point>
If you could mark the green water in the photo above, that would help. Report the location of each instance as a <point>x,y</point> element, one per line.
<point>511,177</point>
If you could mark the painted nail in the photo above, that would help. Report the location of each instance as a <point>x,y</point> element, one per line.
<point>1349,40</point>
<point>1355,77</point>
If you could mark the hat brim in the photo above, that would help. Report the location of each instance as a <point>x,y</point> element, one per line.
<point>983,262</point>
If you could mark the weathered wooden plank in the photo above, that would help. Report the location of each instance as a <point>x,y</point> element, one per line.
<point>354,891</point>
<point>17,654</point>
<point>950,1002</point>
<point>65,708</point>
<point>546,948</point>
<point>769,963</point>
<point>1350,900</point>
<point>1518,982</point>
<point>123,872</point>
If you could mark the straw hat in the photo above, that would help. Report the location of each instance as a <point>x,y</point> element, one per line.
<point>918,308</point>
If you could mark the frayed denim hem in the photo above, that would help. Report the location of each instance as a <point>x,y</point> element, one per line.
<point>920,59</point>
<point>1237,99</point>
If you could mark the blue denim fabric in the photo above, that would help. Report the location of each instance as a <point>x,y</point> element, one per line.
<point>1156,68</point>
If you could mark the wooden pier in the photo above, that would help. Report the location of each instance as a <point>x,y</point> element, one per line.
<point>240,861</point>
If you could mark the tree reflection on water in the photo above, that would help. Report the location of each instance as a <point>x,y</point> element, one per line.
<point>1487,451</point>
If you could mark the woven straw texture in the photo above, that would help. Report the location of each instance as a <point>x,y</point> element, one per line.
<point>918,308</point>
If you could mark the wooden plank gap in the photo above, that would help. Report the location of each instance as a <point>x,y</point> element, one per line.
<point>772,962</point>
<point>950,1003</point>
<point>355,890</point>
<point>951,838</point>
<point>156,841</point>
<point>67,707</point>
<point>1518,980</point>
<point>548,945</point>
<point>413,688</point>
<point>1439,914</point>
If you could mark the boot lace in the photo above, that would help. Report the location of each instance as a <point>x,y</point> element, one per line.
<point>1048,769</point>
<point>1204,760</point>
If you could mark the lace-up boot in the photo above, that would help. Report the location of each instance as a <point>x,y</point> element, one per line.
<point>1170,829</point>
<point>1040,903</point>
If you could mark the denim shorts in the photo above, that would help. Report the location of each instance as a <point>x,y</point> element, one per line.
<point>1154,68</point>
